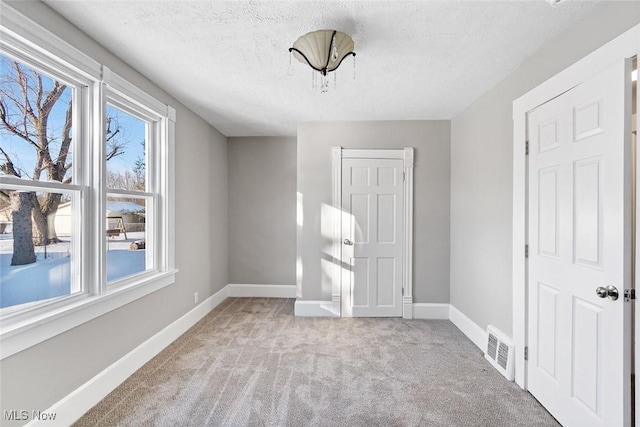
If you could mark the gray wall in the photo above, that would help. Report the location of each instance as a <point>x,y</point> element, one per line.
<point>262,211</point>
<point>431,198</point>
<point>481,171</point>
<point>38,377</point>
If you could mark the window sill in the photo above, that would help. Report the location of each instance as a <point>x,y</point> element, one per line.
<point>18,336</point>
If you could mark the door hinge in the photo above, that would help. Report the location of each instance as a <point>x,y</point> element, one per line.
<point>404,176</point>
<point>526,148</point>
<point>629,294</point>
<point>526,251</point>
<point>526,353</point>
<point>402,291</point>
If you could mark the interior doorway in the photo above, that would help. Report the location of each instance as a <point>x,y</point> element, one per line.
<point>373,205</point>
<point>620,52</point>
<point>579,253</point>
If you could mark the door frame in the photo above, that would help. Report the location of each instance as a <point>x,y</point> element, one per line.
<point>624,46</point>
<point>406,155</point>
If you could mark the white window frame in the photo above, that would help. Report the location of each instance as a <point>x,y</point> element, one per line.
<point>32,44</point>
<point>146,110</point>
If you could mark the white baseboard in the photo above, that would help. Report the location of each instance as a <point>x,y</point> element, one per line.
<point>77,403</point>
<point>468,327</point>
<point>331,309</point>
<point>407,307</point>
<point>261,291</point>
<point>420,311</point>
<point>430,311</point>
<point>316,309</point>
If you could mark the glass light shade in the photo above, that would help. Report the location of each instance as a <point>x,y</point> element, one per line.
<point>317,50</point>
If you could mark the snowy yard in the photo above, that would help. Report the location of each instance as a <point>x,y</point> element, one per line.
<point>49,276</point>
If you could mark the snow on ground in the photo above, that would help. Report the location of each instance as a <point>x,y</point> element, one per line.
<point>50,276</point>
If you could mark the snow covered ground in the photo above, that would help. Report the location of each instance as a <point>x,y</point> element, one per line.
<point>50,275</point>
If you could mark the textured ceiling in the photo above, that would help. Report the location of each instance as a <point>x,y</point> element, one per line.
<point>229,61</point>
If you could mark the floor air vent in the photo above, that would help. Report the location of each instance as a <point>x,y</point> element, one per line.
<point>500,352</point>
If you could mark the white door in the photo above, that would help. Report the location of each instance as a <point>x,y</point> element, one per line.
<point>579,240</point>
<point>372,200</point>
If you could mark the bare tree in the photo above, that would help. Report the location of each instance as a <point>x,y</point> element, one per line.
<point>134,179</point>
<point>27,99</point>
<point>126,180</point>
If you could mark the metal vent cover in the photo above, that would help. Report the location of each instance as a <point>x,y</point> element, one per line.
<point>503,355</point>
<point>492,346</point>
<point>500,352</point>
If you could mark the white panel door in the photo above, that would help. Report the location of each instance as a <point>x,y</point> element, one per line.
<point>579,240</point>
<point>372,200</point>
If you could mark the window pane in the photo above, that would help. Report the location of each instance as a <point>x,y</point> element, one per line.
<point>127,237</point>
<point>30,150</point>
<point>125,150</point>
<point>34,268</point>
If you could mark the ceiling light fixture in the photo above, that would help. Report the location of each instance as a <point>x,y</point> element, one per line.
<point>323,51</point>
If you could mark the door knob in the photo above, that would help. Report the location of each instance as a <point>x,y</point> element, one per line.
<point>609,291</point>
<point>348,242</point>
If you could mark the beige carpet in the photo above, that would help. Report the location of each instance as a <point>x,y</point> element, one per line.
<point>250,362</point>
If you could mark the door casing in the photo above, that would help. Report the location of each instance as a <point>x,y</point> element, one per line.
<point>407,155</point>
<point>624,46</point>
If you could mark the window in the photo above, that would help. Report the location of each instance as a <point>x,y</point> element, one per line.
<point>39,249</point>
<point>86,187</point>
<point>130,210</point>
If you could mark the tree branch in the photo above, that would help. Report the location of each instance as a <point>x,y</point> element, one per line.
<point>116,150</point>
<point>13,129</point>
<point>111,135</point>
<point>66,142</point>
<point>52,98</point>
<point>39,91</point>
<point>7,167</point>
<point>22,83</point>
